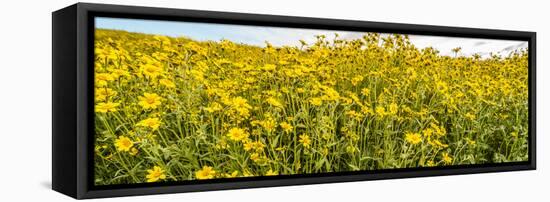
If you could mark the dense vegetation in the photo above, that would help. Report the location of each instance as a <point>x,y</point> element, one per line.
<point>172,109</point>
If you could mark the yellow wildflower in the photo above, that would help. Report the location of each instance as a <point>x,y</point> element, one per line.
<point>123,143</point>
<point>153,123</point>
<point>393,109</point>
<point>237,134</point>
<point>151,71</point>
<point>365,91</point>
<point>380,111</point>
<point>305,140</point>
<point>470,116</point>
<point>447,159</point>
<point>149,100</point>
<point>413,138</point>
<point>134,151</point>
<point>287,128</point>
<point>274,102</point>
<point>213,107</point>
<point>167,83</point>
<point>155,174</point>
<point>206,172</point>
<point>256,146</point>
<point>356,80</point>
<point>316,101</point>
<point>101,79</point>
<point>232,175</point>
<point>270,172</point>
<point>103,93</point>
<point>105,107</point>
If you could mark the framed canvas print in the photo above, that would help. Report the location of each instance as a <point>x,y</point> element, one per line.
<point>155,100</point>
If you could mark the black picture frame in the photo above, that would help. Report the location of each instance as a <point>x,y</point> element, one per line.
<point>72,99</point>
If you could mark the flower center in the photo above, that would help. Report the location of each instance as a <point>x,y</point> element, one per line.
<point>156,174</point>
<point>126,143</point>
<point>151,100</point>
<point>151,69</point>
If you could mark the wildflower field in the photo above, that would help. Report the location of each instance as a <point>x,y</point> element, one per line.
<point>176,109</point>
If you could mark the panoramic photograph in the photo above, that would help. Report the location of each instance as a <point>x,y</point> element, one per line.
<point>186,101</point>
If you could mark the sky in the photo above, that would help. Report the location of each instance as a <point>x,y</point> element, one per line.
<point>279,36</point>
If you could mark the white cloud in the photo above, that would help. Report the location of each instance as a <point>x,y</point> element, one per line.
<point>469,46</point>
<point>280,36</point>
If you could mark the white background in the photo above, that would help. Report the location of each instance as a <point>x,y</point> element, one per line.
<point>25,100</point>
